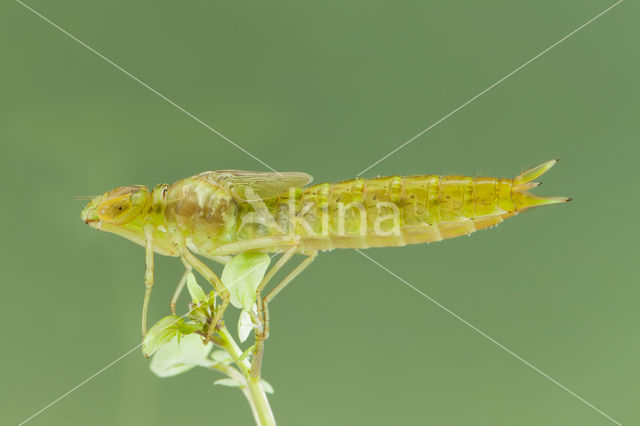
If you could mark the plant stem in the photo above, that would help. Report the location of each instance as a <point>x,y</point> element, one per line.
<point>236,375</point>
<point>264,414</point>
<point>255,394</point>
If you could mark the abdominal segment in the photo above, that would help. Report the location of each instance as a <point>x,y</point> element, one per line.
<point>389,211</point>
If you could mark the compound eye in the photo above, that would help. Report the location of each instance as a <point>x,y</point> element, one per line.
<point>122,206</point>
<point>115,210</point>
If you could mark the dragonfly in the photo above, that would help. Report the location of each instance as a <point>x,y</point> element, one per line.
<point>219,214</point>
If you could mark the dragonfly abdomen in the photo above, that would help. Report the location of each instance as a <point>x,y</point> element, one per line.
<point>395,211</point>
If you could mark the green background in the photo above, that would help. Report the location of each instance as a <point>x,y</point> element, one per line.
<point>328,88</point>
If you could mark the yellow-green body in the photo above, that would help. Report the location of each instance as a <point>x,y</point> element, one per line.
<point>228,212</point>
<point>212,209</point>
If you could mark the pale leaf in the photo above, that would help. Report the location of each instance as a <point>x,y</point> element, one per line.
<point>177,357</point>
<point>196,292</point>
<point>242,275</point>
<point>227,382</point>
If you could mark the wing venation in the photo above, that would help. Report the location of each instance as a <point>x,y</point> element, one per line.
<point>252,186</point>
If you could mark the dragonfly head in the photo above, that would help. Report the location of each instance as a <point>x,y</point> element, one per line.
<point>116,207</point>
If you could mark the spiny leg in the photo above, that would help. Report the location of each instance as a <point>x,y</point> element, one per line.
<point>285,257</point>
<point>265,280</point>
<point>181,283</point>
<point>282,284</point>
<point>224,251</point>
<point>148,278</point>
<point>223,260</point>
<point>217,284</point>
<point>259,243</point>
<point>256,364</point>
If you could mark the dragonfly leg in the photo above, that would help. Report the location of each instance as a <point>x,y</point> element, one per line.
<point>260,243</point>
<point>217,284</point>
<point>281,285</point>
<point>279,264</point>
<point>148,279</point>
<point>256,364</point>
<point>181,283</point>
<point>265,280</point>
<point>223,260</point>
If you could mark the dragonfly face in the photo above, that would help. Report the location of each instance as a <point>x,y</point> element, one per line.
<point>120,211</point>
<point>126,210</point>
<point>117,207</point>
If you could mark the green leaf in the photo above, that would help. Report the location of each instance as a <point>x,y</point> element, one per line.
<point>176,357</point>
<point>245,325</point>
<point>247,353</point>
<point>211,298</point>
<point>227,382</point>
<point>185,328</point>
<point>266,386</point>
<point>196,292</point>
<point>242,275</point>
<point>162,332</point>
<point>220,356</point>
<point>199,314</point>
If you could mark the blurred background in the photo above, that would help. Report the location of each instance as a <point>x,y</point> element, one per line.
<point>328,88</point>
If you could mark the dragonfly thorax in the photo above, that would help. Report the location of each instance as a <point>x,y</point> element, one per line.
<point>202,215</point>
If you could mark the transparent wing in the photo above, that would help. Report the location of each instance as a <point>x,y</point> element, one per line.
<point>250,186</point>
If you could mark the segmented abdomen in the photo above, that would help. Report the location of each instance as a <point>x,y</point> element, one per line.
<point>393,211</point>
